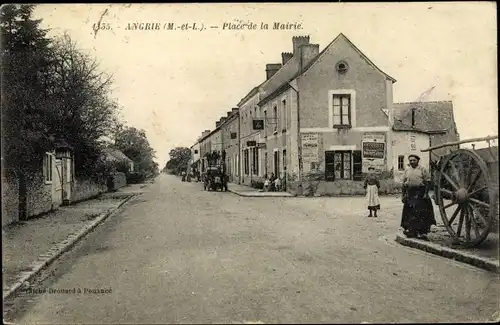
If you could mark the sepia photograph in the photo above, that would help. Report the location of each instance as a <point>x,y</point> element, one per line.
<point>250,163</point>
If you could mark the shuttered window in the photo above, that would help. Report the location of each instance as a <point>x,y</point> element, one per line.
<point>357,165</point>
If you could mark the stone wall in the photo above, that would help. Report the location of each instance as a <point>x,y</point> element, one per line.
<point>39,196</point>
<point>86,188</point>
<point>342,188</point>
<point>119,180</point>
<point>10,200</point>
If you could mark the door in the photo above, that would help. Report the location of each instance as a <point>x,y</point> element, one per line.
<point>57,195</point>
<point>265,164</point>
<point>276,164</point>
<point>330,166</point>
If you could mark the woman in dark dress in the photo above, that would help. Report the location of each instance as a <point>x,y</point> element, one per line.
<point>418,213</point>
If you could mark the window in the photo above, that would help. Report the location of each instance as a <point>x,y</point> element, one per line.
<point>401,162</point>
<point>283,123</point>
<point>342,163</point>
<point>265,123</point>
<point>255,161</point>
<point>341,110</point>
<point>284,160</point>
<point>246,162</point>
<point>47,168</point>
<point>275,119</point>
<point>342,67</point>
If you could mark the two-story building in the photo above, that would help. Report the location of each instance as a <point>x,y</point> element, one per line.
<point>333,103</point>
<point>230,138</point>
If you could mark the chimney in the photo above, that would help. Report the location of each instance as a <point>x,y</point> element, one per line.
<point>229,113</point>
<point>222,119</point>
<point>271,69</point>
<point>235,110</point>
<point>307,53</point>
<point>205,133</point>
<point>297,41</point>
<point>217,124</point>
<point>285,57</point>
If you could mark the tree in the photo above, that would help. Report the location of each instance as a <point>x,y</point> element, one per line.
<point>25,53</point>
<point>85,113</point>
<point>135,145</point>
<point>26,64</point>
<point>179,159</point>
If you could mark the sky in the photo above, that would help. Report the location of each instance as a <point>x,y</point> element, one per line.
<point>176,83</point>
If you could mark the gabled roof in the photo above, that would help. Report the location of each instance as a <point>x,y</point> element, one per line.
<point>116,154</point>
<point>284,84</point>
<point>431,116</point>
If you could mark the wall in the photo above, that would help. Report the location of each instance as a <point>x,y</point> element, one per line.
<point>119,181</point>
<point>249,111</point>
<point>343,188</point>
<point>10,200</point>
<point>369,84</point>
<point>39,195</point>
<point>401,145</point>
<point>87,188</point>
<point>231,146</point>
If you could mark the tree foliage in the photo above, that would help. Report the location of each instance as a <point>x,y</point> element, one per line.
<point>50,90</point>
<point>179,159</point>
<point>135,145</point>
<point>26,62</point>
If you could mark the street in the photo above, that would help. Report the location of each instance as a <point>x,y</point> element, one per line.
<point>178,254</point>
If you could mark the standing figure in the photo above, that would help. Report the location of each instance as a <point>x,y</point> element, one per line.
<point>418,213</point>
<point>372,186</point>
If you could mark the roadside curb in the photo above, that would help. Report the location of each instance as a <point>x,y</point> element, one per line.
<point>454,254</point>
<point>47,258</point>
<point>256,195</point>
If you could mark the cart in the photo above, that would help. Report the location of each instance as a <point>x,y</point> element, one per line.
<point>466,192</point>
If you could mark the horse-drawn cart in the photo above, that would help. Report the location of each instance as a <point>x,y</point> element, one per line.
<point>466,192</point>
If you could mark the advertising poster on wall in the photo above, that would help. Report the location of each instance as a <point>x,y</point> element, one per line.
<point>310,147</point>
<point>373,151</point>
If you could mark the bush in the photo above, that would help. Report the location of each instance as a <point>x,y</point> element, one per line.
<point>135,178</point>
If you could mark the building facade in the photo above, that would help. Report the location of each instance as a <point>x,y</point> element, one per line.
<point>230,138</point>
<point>331,115</point>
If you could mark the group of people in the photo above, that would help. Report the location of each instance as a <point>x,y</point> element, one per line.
<point>272,183</point>
<point>418,213</point>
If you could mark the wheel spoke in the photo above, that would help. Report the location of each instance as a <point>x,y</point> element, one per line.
<point>452,183</point>
<point>449,205</point>
<point>481,203</point>
<point>461,172</point>
<point>454,171</point>
<point>467,224</point>
<point>479,214</point>
<point>446,191</point>
<point>469,174</point>
<point>478,190</point>
<point>455,214</point>
<point>460,222</point>
<point>476,177</point>
<point>473,221</point>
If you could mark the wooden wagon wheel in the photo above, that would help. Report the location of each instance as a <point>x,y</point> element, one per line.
<point>465,189</point>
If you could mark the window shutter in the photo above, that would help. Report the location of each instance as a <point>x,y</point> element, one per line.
<point>357,165</point>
